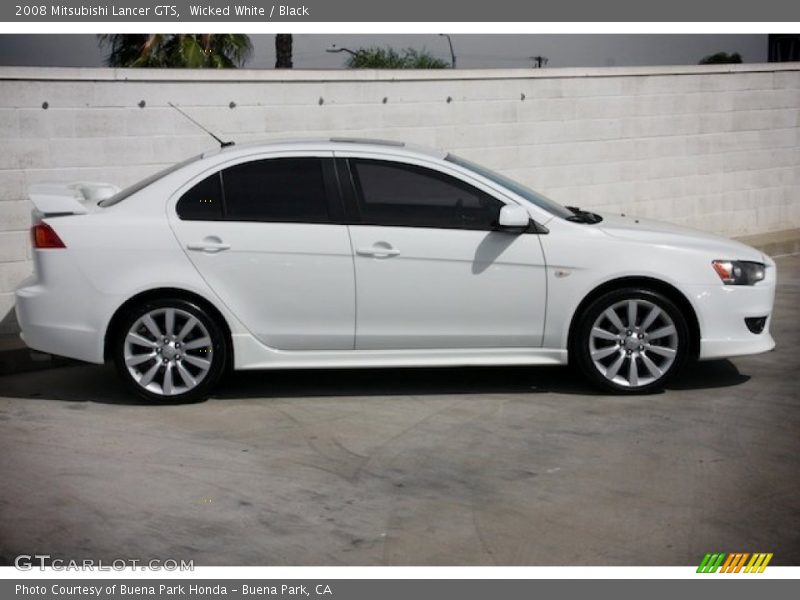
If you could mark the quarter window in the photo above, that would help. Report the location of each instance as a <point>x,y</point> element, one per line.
<point>203,202</point>
<point>411,196</point>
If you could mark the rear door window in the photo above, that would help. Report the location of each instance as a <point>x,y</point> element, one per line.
<point>276,190</point>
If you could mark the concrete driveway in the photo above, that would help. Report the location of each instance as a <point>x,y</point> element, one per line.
<point>505,466</point>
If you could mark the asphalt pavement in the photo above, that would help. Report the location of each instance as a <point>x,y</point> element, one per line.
<point>489,466</point>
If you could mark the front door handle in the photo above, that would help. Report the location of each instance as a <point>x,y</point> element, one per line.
<point>211,244</point>
<point>379,250</point>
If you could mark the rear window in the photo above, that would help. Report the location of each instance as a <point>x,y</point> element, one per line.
<point>140,185</point>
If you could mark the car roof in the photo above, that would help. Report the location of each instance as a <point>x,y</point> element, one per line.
<point>329,144</point>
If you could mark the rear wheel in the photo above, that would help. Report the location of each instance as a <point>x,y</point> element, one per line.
<point>631,341</point>
<point>169,350</point>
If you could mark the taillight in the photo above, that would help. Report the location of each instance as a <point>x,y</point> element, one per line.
<point>44,236</point>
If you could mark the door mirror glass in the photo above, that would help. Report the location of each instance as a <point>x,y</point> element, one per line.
<point>513,218</point>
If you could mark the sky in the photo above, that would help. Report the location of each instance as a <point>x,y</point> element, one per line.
<point>472,50</point>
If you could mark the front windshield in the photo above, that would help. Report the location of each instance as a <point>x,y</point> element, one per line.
<point>525,192</point>
<point>139,185</point>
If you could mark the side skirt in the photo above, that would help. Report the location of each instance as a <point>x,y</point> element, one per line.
<point>249,353</point>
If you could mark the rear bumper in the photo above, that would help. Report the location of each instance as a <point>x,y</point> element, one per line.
<point>52,323</point>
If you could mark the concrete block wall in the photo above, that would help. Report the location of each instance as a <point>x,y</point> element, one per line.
<point>715,147</point>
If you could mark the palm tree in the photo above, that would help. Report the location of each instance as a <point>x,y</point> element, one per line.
<point>283,51</point>
<point>192,51</point>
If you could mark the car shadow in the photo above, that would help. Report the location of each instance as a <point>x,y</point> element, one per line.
<point>98,383</point>
<point>707,375</point>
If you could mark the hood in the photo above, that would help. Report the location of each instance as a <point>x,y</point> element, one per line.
<point>668,234</point>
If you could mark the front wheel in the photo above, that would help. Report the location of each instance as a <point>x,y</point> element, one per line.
<point>169,350</point>
<point>631,341</point>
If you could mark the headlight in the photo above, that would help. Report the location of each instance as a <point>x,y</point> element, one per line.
<point>739,272</point>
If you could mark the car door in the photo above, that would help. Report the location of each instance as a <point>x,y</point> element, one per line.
<point>432,271</point>
<point>266,235</point>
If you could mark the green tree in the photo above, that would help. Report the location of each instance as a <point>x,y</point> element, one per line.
<point>376,57</point>
<point>190,51</point>
<point>721,58</point>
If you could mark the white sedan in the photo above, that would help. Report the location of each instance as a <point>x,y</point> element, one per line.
<point>357,253</point>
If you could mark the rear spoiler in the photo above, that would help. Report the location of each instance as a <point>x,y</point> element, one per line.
<point>78,198</point>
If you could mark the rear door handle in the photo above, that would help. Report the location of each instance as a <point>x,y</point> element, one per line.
<point>379,250</point>
<point>210,244</point>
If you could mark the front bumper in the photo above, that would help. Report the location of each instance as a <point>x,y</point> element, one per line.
<point>722,310</point>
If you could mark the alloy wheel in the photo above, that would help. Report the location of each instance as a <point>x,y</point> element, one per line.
<point>168,351</point>
<point>633,343</point>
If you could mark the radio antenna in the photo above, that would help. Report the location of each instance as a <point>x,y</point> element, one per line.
<point>219,141</point>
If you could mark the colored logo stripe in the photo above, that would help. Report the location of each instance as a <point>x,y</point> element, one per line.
<point>711,563</point>
<point>733,563</point>
<point>758,563</point>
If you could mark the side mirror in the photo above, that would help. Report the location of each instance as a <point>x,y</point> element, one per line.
<point>513,218</point>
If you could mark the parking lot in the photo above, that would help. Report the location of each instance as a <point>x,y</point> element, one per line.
<point>490,466</point>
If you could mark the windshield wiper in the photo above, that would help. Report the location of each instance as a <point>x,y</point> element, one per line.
<point>583,216</point>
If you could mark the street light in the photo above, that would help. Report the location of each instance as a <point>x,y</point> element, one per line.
<point>333,48</point>
<point>452,54</point>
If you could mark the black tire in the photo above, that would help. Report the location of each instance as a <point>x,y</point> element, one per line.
<point>651,356</point>
<point>179,390</point>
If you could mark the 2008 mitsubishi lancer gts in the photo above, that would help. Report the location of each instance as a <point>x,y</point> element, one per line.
<point>358,253</point>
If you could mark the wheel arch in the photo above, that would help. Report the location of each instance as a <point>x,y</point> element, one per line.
<point>160,294</point>
<point>650,283</point>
